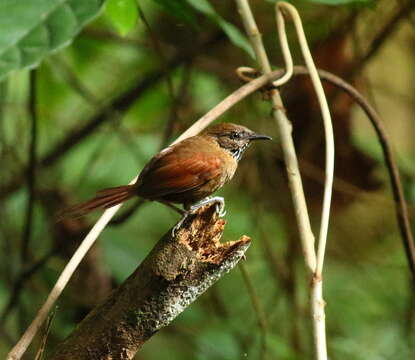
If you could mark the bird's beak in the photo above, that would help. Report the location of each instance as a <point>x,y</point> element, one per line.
<point>259,137</point>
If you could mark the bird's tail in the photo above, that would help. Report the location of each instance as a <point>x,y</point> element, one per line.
<point>104,199</point>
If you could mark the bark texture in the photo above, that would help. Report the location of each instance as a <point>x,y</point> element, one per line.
<point>173,275</point>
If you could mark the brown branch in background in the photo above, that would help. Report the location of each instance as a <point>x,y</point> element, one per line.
<point>31,171</point>
<point>258,309</point>
<point>19,283</point>
<point>382,36</point>
<point>157,47</point>
<point>120,219</point>
<point>393,171</point>
<point>173,275</point>
<point>64,70</point>
<point>120,103</point>
<point>179,100</point>
<point>391,164</point>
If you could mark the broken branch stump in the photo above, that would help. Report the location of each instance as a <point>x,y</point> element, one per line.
<point>173,275</point>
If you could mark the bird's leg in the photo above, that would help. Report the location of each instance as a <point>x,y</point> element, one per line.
<point>220,209</point>
<point>180,223</point>
<point>175,208</point>
<point>220,204</point>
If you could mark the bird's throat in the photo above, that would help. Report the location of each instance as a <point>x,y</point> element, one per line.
<point>237,153</point>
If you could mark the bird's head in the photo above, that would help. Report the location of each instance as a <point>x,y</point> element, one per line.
<point>232,137</point>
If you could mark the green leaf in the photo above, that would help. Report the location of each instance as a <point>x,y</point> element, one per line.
<point>30,30</point>
<point>123,14</point>
<point>231,31</point>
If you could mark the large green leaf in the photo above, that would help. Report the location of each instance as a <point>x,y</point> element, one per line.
<point>31,29</point>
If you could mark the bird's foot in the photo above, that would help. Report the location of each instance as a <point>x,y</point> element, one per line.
<point>217,200</point>
<point>186,214</point>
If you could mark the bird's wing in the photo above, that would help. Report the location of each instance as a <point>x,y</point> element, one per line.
<point>177,170</point>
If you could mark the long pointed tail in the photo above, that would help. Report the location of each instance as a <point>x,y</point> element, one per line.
<point>104,199</point>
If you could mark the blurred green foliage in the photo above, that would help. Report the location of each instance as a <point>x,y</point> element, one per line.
<point>123,14</point>
<point>370,306</point>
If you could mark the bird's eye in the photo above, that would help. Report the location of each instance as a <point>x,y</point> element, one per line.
<point>235,135</point>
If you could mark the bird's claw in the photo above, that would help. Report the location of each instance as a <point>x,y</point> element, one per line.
<point>180,223</point>
<point>219,207</point>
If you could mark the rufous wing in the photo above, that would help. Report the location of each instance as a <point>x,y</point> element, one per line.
<point>178,171</point>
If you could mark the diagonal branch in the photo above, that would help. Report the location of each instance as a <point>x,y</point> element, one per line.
<point>382,36</point>
<point>174,274</point>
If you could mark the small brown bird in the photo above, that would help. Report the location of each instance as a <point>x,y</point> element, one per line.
<point>185,173</point>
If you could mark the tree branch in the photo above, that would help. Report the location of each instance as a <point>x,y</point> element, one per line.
<point>285,129</point>
<point>173,275</point>
<point>382,36</point>
<point>222,107</point>
<point>401,208</point>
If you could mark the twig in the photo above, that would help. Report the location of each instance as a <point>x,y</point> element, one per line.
<point>62,281</point>
<point>40,352</point>
<point>121,103</point>
<point>214,113</point>
<point>317,301</point>
<point>127,214</point>
<point>178,101</point>
<point>173,275</point>
<point>31,173</point>
<point>74,82</point>
<point>328,128</point>
<point>285,128</point>
<point>18,284</point>
<point>258,308</point>
<point>314,264</point>
<point>401,208</point>
<point>157,48</point>
<point>380,38</point>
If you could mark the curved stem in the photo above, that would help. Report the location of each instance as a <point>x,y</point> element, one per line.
<point>328,130</point>
<point>287,143</point>
<point>285,49</point>
<point>317,302</point>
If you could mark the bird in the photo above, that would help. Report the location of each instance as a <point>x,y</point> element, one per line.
<point>186,173</point>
